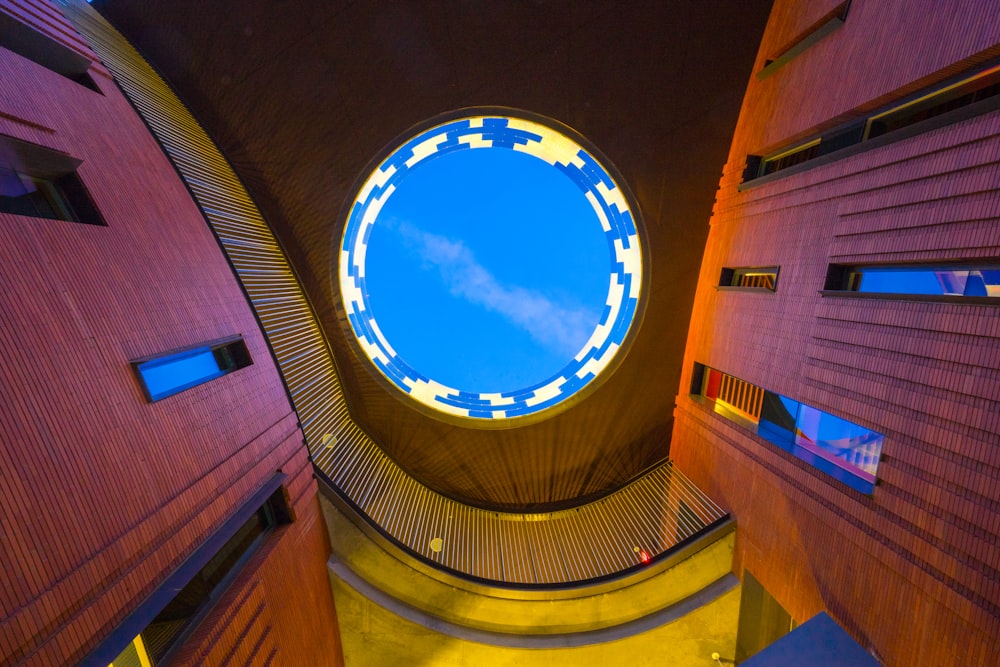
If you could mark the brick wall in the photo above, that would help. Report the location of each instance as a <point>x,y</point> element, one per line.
<point>104,493</point>
<point>911,571</point>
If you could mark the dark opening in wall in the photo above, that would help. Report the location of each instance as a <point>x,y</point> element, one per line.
<point>814,33</point>
<point>28,43</point>
<point>42,183</point>
<point>962,98</point>
<point>750,277</point>
<point>160,625</point>
<point>846,451</point>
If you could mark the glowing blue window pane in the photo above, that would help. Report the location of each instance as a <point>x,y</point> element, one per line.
<point>169,375</point>
<point>935,281</point>
<point>842,442</point>
<point>840,448</point>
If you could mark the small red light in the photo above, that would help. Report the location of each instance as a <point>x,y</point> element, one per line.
<point>643,556</point>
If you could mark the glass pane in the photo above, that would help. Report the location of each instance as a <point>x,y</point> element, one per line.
<point>169,375</point>
<point>713,379</point>
<point>909,281</point>
<point>17,194</point>
<point>974,281</point>
<point>991,281</point>
<point>845,443</point>
<point>777,418</point>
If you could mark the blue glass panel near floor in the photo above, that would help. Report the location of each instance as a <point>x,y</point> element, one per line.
<point>170,375</point>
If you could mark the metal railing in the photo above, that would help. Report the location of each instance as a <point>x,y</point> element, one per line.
<point>649,517</point>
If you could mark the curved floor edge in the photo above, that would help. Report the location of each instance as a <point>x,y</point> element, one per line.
<point>656,619</point>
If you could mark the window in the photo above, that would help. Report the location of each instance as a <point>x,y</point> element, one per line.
<point>172,373</point>
<point>752,278</point>
<point>817,31</point>
<point>968,91</point>
<point>790,157</point>
<point>28,43</point>
<point>42,183</point>
<point>189,601</point>
<point>842,449</point>
<point>968,96</point>
<point>978,280</point>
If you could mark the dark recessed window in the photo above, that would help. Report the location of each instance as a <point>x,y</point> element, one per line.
<point>169,374</point>
<point>28,43</point>
<point>791,157</point>
<point>42,183</point>
<point>963,98</point>
<point>165,632</point>
<point>814,33</point>
<point>842,449</point>
<point>978,280</point>
<point>969,91</point>
<point>760,278</point>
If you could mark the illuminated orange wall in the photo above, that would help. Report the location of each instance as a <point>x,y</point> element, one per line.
<point>911,571</point>
<point>105,494</point>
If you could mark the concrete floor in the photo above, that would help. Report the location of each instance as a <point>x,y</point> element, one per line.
<point>376,637</point>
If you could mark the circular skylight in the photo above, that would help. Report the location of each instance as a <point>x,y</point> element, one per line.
<point>490,268</point>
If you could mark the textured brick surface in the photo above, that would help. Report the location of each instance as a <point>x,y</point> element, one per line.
<point>911,571</point>
<point>105,494</point>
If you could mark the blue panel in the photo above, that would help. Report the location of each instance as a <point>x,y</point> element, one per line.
<point>169,375</point>
<point>819,642</point>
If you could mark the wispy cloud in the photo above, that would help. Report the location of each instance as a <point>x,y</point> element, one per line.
<point>557,326</point>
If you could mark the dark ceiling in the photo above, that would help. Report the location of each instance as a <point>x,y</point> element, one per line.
<point>302,95</point>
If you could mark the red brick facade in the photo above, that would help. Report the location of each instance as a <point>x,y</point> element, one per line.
<point>104,492</point>
<point>912,570</point>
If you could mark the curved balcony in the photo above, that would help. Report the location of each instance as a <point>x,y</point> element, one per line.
<point>655,515</point>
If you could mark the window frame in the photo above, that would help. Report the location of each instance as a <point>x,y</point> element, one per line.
<point>58,172</point>
<point>789,439</point>
<point>31,44</point>
<point>854,137</point>
<point>842,280</point>
<point>222,352</point>
<point>274,493</point>
<point>730,278</point>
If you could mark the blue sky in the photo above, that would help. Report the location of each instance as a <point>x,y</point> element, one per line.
<point>487,270</point>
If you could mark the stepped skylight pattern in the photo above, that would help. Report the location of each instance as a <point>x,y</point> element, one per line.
<point>601,192</point>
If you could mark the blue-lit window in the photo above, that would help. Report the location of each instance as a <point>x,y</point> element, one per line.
<point>174,372</point>
<point>950,281</point>
<point>842,449</point>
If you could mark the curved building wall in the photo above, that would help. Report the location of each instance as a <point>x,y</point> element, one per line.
<point>909,568</point>
<point>106,494</point>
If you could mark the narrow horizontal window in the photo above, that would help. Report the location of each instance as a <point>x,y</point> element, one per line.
<point>187,604</point>
<point>842,449</point>
<point>172,373</point>
<point>968,91</point>
<point>42,183</point>
<point>945,281</point>
<point>37,47</point>
<point>814,33</point>
<point>968,96</point>
<point>759,278</point>
<point>791,157</point>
